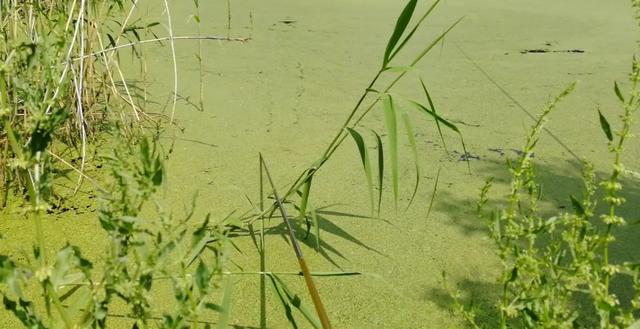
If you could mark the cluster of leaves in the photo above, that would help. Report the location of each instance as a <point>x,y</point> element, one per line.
<point>140,250</point>
<point>59,82</point>
<point>557,271</point>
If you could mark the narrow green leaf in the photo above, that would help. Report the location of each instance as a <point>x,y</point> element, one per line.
<point>401,25</point>
<point>399,69</point>
<point>415,28</point>
<point>445,122</point>
<point>283,300</point>
<point>295,301</point>
<point>605,126</point>
<point>392,130</point>
<point>414,150</point>
<point>433,108</point>
<point>435,116</point>
<point>202,276</point>
<point>514,275</point>
<point>433,193</point>
<point>316,228</point>
<point>334,273</point>
<point>426,50</point>
<point>364,155</point>
<point>616,88</point>
<point>380,169</point>
<point>225,306</point>
<point>577,206</point>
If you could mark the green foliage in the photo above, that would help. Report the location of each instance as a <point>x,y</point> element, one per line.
<point>59,84</point>
<point>554,266</point>
<point>140,250</point>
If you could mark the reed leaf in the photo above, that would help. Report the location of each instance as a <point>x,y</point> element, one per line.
<point>289,300</point>
<point>433,108</point>
<point>392,130</point>
<point>401,25</point>
<point>430,112</point>
<point>414,151</point>
<point>415,28</point>
<point>364,155</point>
<point>316,228</point>
<point>225,306</point>
<point>380,169</point>
<point>425,110</point>
<point>435,42</point>
<point>433,194</point>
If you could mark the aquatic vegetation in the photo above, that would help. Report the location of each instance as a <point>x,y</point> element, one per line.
<point>81,93</point>
<point>557,271</point>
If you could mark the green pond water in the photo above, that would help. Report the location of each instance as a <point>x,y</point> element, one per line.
<point>288,89</point>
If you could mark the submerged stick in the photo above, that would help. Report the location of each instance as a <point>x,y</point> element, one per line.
<point>315,296</point>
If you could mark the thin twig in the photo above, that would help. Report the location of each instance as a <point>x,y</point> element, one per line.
<point>174,61</point>
<point>195,37</point>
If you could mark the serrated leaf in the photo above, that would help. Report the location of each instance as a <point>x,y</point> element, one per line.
<point>605,126</point>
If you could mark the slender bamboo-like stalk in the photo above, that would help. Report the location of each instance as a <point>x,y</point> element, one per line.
<point>313,291</point>
<point>174,99</point>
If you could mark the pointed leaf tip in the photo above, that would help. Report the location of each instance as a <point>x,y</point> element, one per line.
<point>401,25</point>
<point>605,126</point>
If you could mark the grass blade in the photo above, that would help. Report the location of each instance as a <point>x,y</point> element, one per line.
<point>605,126</point>
<point>434,42</point>
<point>380,169</point>
<point>225,305</point>
<point>289,299</point>
<point>415,28</point>
<point>364,155</point>
<point>445,122</point>
<point>316,227</point>
<point>616,88</point>
<point>435,116</point>
<point>433,108</point>
<point>285,303</point>
<point>414,149</point>
<point>433,194</point>
<point>392,130</point>
<point>401,25</point>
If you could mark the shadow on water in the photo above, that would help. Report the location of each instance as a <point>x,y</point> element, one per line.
<point>558,181</point>
<point>306,235</point>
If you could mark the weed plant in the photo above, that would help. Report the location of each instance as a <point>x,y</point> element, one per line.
<point>556,270</point>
